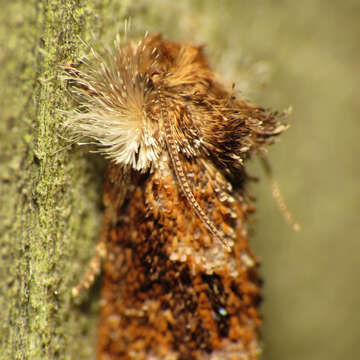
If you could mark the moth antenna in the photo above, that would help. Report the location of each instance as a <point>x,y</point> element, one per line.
<point>276,193</point>
<point>63,148</point>
<point>127,27</point>
<point>182,179</point>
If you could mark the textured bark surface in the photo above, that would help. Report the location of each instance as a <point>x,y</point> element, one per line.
<point>49,204</point>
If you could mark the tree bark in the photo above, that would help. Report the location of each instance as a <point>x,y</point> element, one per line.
<point>49,200</point>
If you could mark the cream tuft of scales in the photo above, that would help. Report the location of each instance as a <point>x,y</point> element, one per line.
<point>114,111</point>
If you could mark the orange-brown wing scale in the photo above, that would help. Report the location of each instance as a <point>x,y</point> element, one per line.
<point>169,290</point>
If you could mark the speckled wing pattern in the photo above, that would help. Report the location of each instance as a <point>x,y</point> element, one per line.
<point>171,291</point>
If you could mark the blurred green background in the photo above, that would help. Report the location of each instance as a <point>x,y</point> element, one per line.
<point>305,54</point>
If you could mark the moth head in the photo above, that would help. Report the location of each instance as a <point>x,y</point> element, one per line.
<point>118,98</point>
<point>120,108</point>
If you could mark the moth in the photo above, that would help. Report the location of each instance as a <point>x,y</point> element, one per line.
<point>179,279</point>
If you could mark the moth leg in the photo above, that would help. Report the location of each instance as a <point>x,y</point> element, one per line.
<point>94,267</point>
<point>76,77</point>
<point>276,193</point>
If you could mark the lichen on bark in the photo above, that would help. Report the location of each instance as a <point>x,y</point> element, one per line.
<point>47,224</point>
